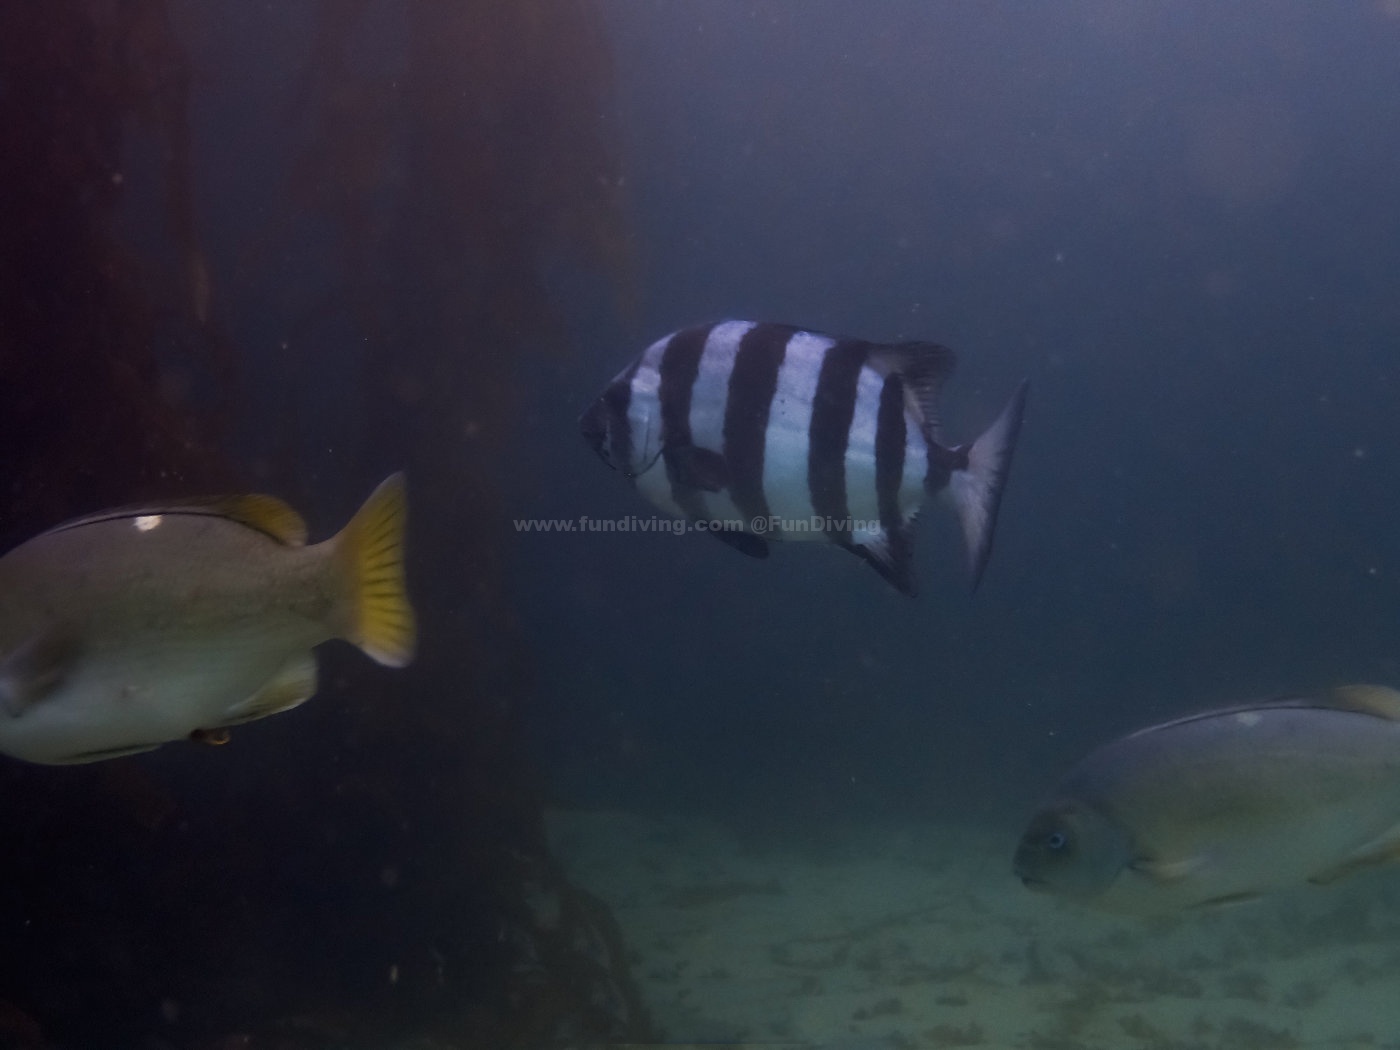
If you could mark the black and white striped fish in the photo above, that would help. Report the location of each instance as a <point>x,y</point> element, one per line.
<point>787,434</point>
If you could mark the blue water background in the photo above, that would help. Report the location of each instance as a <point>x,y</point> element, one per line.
<point>1179,220</point>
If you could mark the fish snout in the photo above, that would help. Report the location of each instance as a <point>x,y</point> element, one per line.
<point>1026,865</point>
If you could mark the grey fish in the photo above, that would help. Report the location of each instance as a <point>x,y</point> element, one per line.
<point>129,628</point>
<point>769,432</point>
<point>1225,805</point>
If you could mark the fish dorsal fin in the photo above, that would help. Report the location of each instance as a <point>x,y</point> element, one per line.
<point>924,368</point>
<point>266,514</point>
<point>1378,700</point>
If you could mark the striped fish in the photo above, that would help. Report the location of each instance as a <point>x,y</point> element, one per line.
<point>768,432</point>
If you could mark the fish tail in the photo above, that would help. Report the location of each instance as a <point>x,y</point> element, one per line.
<point>977,487</point>
<point>369,554</point>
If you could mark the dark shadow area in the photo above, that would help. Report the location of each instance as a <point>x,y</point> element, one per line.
<point>386,877</point>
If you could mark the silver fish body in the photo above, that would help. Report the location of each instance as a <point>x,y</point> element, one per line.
<point>1224,806</point>
<point>768,432</point>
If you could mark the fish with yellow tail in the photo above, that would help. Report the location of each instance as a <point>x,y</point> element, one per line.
<point>126,629</point>
<point>1225,806</point>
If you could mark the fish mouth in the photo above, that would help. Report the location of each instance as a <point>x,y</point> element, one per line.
<point>1032,883</point>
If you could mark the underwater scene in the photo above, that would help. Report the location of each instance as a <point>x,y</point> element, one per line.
<point>866,525</point>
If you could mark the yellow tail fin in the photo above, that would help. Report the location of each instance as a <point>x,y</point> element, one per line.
<point>369,550</point>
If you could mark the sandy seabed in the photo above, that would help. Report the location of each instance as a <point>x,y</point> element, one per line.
<point>919,937</point>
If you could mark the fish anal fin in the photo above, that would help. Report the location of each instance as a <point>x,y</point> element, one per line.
<point>83,758</point>
<point>1378,700</point>
<point>1384,849</point>
<point>37,667</point>
<point>891,555</point>
<point>293,685</point>
<point>698,468</point>
<point>376,614</point>
<point>744,542</point>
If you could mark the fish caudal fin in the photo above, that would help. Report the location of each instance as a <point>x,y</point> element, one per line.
<point>369,551</point>
<point>977,488</point>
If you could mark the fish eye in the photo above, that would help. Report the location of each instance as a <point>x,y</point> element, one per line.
<point>1056,840</point>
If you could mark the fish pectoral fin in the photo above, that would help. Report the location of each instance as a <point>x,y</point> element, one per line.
<point>743,542</point>
<point>1166,870</point>
<point>1382,850</point>
<point>1229,900</point>
<point>293,685</point>
<point>37,667</point>
<point>697,468</point>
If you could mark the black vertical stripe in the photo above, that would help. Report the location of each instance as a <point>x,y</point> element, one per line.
<point>680,364</point>
<point>752,384</point>
<point>890,434</point>
<point>618,399</point>
<point>833,409</point>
